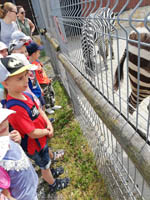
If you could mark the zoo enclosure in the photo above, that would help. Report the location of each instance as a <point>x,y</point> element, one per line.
<point>120,141</point>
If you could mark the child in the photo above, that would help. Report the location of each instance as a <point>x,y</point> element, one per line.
<point>36,89</point>
<point>45,83</point>
<point>18,46</point>
<point>3,53</point>
<point>30,121</point>
<point>23,178</point>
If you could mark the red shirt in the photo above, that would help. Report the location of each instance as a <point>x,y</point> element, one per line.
<point>21,122</point>
<point>41,74</point>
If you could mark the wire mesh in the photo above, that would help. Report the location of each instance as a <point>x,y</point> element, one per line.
<point>87,32</point>
<point>74,15</point>
<point>123,179</point>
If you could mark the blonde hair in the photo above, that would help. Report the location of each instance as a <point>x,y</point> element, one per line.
<point>4,8</point>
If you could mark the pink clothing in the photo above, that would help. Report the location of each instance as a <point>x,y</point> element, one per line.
<point>4,182</point>
<point>4,179</point>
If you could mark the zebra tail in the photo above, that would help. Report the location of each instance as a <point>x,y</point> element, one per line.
<point>119,72</point>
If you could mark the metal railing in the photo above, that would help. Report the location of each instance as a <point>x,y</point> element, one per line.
<point>120,140</point>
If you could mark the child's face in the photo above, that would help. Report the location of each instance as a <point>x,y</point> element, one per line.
<point>4,52</point>
<point>22,50</point>
<point>17,84</point>
<point>4,128</point>
<point>36,54</point>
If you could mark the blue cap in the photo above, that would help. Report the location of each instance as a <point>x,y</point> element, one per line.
<point>33,47</point>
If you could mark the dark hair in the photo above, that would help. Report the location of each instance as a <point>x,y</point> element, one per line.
<point>18,8</point>
<point>4,8</point>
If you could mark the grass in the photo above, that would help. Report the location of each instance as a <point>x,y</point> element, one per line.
<point>85,181</point>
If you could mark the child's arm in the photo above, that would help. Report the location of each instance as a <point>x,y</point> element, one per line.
<point>38,133</point>
<point>49,125</point>
<point>7,194</point>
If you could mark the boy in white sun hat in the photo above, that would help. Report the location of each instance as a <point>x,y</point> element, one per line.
<point>17,46</point>
<point>32,123</point>
<point>17,173</point>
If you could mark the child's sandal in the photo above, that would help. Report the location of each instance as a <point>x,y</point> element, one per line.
<point>57,171</point>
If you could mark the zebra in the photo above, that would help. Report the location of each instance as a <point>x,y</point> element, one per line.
<point>144,69</point>
<point>94,30</point>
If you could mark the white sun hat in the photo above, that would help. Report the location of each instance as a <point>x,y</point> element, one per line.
<point>4,113</point>
<point>18,35</point>
<point>3,46</point>
<point>4,146</point>
<point>4,140</point>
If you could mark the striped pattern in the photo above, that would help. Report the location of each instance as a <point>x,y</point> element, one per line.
<point>94,30</point>
<point>135,51</point>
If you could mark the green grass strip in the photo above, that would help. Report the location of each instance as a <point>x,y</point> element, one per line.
<point>86,182</point>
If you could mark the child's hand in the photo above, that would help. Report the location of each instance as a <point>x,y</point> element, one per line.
<point>15,136</point>
<point>51,130</point>
<point>7,194</point>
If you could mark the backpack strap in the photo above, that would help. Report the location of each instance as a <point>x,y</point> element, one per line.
<point>15,102</point>
<point>29,95</point>
<point>3,102</point>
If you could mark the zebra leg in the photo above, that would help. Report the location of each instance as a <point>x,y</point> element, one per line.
<point>111,47</point>
<point>102,51</point>
<point>134,101</point>
<point>87,43</point>
<point>90,66</point>
<point>131,108</point>
<point>106,44</point>
<point>106,48</point>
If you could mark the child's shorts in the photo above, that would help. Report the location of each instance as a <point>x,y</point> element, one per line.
<point>42,158</point>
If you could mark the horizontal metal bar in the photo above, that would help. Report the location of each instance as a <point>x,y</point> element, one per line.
<point>53,42</point>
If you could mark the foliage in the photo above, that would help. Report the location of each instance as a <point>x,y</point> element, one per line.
<point>86,183</point>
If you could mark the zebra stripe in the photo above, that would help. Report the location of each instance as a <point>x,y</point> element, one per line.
<point>143,69</point>
<point>94,30</point>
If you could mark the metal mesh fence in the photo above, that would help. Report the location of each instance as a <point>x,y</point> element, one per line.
<point>96,37</point>
<point>122,178</point>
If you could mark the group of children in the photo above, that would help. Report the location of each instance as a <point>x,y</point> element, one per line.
<point>25,93</point>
